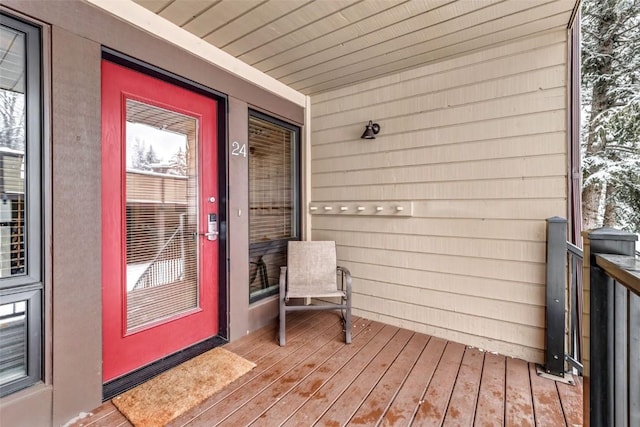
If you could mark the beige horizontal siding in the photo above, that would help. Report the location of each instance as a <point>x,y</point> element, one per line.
<point>448,311</point>
<point>500,269</point>
<point>466,228</point>
<point>492,149</point>
<point>539,124</point>
<point>540,166</point>
<point>469,209</point>
<point>456,284</point>
<point>509,250</point>
<point>508,347</point>
<point>478,144</point>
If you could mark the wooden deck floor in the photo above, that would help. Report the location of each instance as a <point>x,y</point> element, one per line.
<point>388,376</point>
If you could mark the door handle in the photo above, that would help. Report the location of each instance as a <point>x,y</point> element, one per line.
<point>213,235</point>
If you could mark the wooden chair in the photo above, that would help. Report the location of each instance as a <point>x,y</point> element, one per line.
<point>311,272</point>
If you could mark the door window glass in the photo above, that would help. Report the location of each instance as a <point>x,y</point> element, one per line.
<point>162,214</point>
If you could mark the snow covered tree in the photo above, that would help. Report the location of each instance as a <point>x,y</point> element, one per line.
<point>611,113</point>
<point>151,157</point>
<point>178,163</point>
<point>138,157</point>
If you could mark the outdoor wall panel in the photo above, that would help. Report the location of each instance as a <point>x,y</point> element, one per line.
<point>477,144</point>
<point>77,374</point>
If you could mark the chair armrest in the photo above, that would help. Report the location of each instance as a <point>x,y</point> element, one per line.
<point>346,274</point>
<point>283,282</point>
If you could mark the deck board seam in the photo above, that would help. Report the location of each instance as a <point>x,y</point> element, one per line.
<point>327,330</point>
<point>382,374</point>
<point>327,380</point>
<point>402,383</point>
<point>256,375</point>
<point>426,387</point>
<point>299,381</point>
<point>371,359</point>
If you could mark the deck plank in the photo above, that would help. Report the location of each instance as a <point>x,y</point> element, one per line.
<point>490,410</point>
<point>519,403</point>
<point>315,407</point>
<point>436,399</point>
<point>96,416</point>
<point>375,405</point>
<point>546,400</point>
<point>274,354</point>
<point>296,333</point>
<point>462,407</point>
<point>243,345</point>
<point>571,401</point>
<point>386,371</point>
<point>358,391</point>
<point>305,390</point>
<point>288,356</point>
<point>407,400</point>
<point>262,401</point>
<point>114,419</point>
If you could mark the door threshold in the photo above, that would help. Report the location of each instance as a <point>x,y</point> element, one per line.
<point>119,385</point>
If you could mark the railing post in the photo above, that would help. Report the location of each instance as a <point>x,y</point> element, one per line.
<point>600,407</point>
<point>556,280</point>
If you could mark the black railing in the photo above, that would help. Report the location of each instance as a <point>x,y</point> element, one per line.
<point>614,307</point>
<point>574,355</point>
<point>557,335</point>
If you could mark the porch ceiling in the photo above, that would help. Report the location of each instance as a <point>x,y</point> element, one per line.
<point>315,46</point>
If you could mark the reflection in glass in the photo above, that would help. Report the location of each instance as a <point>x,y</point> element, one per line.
<point>161,210</point>
<point>12,153</point>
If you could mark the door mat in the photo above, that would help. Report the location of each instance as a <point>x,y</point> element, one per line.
<point>172,393</point>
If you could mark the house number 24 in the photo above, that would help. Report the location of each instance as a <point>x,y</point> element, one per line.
<point>238,149</point>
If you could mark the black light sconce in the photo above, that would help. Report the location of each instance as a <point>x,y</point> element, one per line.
<point>370,130</point>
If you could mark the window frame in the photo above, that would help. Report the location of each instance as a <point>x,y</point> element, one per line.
<point>33,317</point>
<point>33,153</point>
<point>279,245</point>
<point>29,286</point>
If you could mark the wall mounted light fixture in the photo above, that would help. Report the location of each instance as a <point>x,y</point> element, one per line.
<point>370,130</point>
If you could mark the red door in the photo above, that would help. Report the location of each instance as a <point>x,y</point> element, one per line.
<point>159,219</point>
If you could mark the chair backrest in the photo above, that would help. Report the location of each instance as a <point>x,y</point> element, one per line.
<point>311,267</point>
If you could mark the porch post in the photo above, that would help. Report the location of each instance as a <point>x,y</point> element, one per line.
<point>556,280</point>
<point>605,329</point>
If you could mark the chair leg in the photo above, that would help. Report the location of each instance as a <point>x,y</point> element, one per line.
<point>283,310</point>
<point>347,323</point>
<point>283,322</point>
<point>281,334</point>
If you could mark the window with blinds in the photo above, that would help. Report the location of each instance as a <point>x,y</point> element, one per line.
<point>12,152</point>
<point>20,205</point>
<point>161,214</point>
<point>273,200</point>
